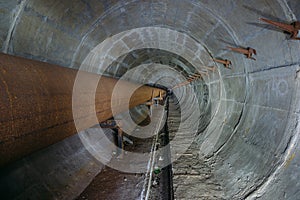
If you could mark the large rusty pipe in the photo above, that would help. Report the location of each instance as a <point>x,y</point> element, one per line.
<point>36,104</point>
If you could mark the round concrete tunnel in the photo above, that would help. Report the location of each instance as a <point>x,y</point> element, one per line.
<point>247,116</point>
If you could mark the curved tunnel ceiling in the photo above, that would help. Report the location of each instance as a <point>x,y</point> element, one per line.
<point>249,127</point>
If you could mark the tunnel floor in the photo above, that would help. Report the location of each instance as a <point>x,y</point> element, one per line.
<point>192,177</point>
<point>114,184</point>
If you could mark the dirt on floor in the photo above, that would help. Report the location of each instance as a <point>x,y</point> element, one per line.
<point>111,184</point>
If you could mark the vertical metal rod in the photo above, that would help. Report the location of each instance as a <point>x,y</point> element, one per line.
<point>120,143</point>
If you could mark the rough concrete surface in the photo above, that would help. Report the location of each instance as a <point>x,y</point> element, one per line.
<point>247,144</point>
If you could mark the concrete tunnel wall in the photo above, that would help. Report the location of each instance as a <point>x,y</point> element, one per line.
<point>251,120</point>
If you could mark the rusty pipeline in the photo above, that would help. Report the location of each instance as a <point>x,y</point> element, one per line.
<point>36,104</point>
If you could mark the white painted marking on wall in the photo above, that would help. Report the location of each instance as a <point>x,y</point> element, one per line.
<point>285,159</point>
<point>287,10</point>
<point>19,8</point>
<point>279,88</point>
<point>208,33</point>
